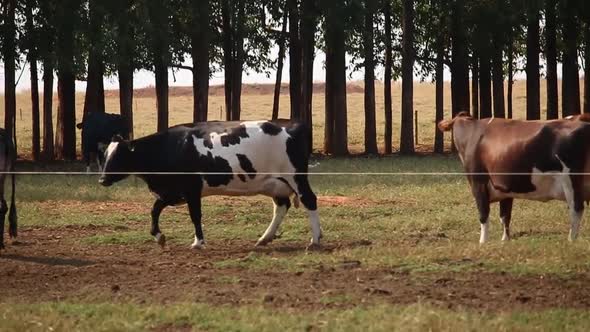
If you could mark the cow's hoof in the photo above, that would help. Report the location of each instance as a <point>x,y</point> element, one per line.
<point>262,242</point>
<point>161,239</point>
<point>313,247</point>
<point>198,244</point>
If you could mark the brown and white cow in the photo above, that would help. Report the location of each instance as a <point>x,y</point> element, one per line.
<point>536,160</point>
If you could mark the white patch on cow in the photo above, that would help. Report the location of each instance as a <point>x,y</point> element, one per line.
<point>197,244</point>
<point>492,119</point>
<point>505,236</point>
<point>548,186</point>
<point>279,213</point>
<point>267,153</point>
<point>483,235</point>
<point>110,149</point>
<point>569,117</point>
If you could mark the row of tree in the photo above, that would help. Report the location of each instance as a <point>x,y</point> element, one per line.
<point>483,43</point>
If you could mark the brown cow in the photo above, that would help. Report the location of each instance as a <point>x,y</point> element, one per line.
<point>537,160</point>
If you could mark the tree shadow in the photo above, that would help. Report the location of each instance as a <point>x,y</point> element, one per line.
<point>52,261</point>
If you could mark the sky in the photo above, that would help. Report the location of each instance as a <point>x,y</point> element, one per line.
<point>145,78</point>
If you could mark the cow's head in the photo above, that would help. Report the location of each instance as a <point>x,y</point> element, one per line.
<point>118,161</point>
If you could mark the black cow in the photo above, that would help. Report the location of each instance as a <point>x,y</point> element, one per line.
<point>97,131</point>
<point>242,158</point>
<point>7,160</point>
<point>536,160</point>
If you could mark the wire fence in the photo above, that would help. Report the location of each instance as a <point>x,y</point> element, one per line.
<point>550,173</point>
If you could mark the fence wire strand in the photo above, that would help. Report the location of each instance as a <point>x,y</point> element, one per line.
<point>551,173</point>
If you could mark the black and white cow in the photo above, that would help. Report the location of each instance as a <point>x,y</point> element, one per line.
<point>7,160</point>
<point>97,131</point>
<point>243,158</point>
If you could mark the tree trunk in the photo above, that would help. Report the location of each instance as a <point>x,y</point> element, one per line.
<point>32,58</point>
<point>388,136</point>
<point>336,110</point>
<point>370,122</point>
<point>570,77</point>
<point>280,62</point>
<point>294,59</point>
<point>510,74</point>
<point>66,117</point>
<point>36,144</point>
<point>160,58</point>
<point>200,55</point>
<point>551,54</point>
<point>161,71</point>
<point>439,115</point>
<point>125,66</point>
<point>227,57</point>
<point>48,148</point>
<point>533,99</point>
<point>485,87</point>
<point>238,64</point>
<point>308,29</point>
<point>498,80</point>
<point>94,98</point>
<point>9,58</point>
<point>587,67</point>
<point>460,62</point>
<point>407,122</point>
<point>474,86</point>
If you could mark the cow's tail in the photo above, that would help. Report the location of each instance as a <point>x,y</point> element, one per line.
<point>447,125</point>
<point>11,156</point>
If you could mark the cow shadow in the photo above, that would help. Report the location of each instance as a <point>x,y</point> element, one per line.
<point>51,261</point>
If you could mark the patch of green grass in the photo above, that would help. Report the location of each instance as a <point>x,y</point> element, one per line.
<point>67,316</point>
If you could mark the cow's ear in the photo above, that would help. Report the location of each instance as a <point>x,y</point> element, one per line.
<point>117,139</point>
<point>79,125</point>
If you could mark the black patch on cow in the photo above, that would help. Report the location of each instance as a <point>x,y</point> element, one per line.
<point>234,136</point>
<point>242,177</point>
<point>246,165</point>
<point>270,129</point>
<point>207,142</point>
<point>216,165</point>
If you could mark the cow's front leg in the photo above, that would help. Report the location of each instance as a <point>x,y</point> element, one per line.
<point>480,193</point>
<point>281,206</point>
<point>194,208</point>
<point>159,205</point>
<point>505,216</point>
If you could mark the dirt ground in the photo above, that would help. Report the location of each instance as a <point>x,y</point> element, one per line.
<point>53,264</point>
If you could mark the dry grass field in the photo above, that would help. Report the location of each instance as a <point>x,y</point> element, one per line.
<point>399,252</point>
<point>257,104</point>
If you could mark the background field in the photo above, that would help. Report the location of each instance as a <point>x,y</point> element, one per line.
<point>399,252</point>
<point>257,104</point>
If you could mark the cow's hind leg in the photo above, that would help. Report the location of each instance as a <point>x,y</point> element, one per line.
<point>281,206</point>
<point>505,216</point>
<point>573,190</point>
<point>194,208</point>
<point>482,200</point>
<point>309,201</point>
<point>159,205</point>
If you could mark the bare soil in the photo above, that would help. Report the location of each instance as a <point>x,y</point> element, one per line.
<point>49,264</point>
